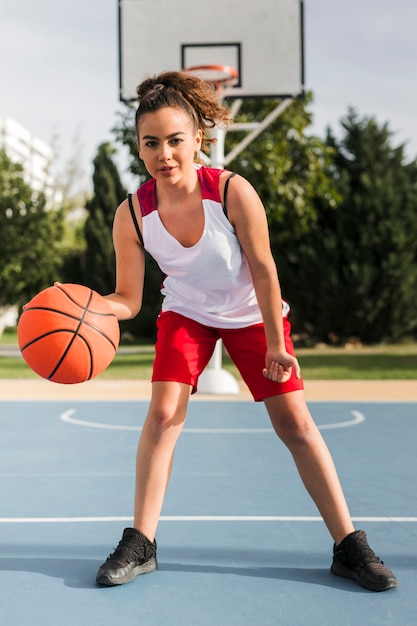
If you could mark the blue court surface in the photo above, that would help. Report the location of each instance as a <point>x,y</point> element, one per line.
<point>239,541</point>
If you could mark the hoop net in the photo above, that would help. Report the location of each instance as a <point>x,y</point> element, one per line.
<point>219,76</point>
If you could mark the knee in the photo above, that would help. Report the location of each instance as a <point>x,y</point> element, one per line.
<point>160,422</point>
<point>296,431</point>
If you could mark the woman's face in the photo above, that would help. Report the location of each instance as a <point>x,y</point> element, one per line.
<point>168,143</point>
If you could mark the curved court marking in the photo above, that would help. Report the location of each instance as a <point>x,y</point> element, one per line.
<point>358,417</point>
<point>200,518</point>
<point>67,417</point>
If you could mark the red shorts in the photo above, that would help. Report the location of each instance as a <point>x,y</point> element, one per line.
<point>184,347</point>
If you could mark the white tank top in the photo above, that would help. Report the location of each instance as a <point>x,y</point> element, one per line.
<point>209,282</point>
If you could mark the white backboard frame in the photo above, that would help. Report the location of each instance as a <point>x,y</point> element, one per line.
<point>262,39</point>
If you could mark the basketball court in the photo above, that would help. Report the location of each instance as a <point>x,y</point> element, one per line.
<point>240,541</point>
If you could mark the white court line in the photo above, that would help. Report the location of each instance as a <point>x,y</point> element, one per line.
<point>199,518</point>
<point>67,417</point>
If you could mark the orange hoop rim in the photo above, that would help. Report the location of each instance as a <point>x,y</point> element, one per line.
<point>217,75</point>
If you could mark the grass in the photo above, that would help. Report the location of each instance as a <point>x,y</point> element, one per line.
<point>397,362</point>
<point>389,364</point>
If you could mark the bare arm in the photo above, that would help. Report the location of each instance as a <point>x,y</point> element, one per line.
<point>247,215</point>
<point>126,300</point>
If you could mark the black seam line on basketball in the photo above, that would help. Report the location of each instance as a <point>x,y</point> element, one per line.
<point>63,357</point>
<point>60,287</point>
<point>100,332</point>
<point>74,317</point>
<point>58,365</point>
<point>69,296</point>
<point>50,332</point>
<point>69,330</point>
<point>52,310</point>
<point>70,315</point>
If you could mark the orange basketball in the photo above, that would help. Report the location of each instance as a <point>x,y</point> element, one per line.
<point>68,333</point>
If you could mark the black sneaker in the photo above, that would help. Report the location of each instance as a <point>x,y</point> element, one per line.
<point>134,555</point>
<point>353,558</point>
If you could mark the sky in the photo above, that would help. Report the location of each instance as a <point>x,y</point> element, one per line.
<point>59,69</point>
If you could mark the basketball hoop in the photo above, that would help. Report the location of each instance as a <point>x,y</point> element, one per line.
<point>219,76</point>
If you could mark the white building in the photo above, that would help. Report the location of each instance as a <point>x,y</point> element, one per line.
<point>33,154</point>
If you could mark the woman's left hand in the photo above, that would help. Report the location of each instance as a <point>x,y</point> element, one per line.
<point>279,367</point>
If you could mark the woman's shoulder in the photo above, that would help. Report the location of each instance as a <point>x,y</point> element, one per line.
<point>147,197</point>
<point>212,181</point>
<point>206,171</point>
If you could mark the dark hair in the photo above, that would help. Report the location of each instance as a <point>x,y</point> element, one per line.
<point>182,91</point>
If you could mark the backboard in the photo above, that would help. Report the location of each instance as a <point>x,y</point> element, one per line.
<point>262,39</point>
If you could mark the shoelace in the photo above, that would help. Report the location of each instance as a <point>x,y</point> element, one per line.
<point>127,552</point>
<point>365,556</point>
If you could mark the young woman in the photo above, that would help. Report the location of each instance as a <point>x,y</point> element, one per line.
<point>207,230</point>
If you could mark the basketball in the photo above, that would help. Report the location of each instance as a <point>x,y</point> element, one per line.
<point>68,333</point>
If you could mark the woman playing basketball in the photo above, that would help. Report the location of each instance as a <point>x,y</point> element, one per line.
<point>208,232</point>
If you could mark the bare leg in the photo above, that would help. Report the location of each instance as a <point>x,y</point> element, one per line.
<point>294,424</point>
<point>163,425</point>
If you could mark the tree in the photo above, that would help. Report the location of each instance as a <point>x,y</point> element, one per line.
<point>291,170</point>
<point>376,228</point>
<point>30,237</point>
<point>99,264</point>
<point>125,134</point>
<point>360,256</point>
